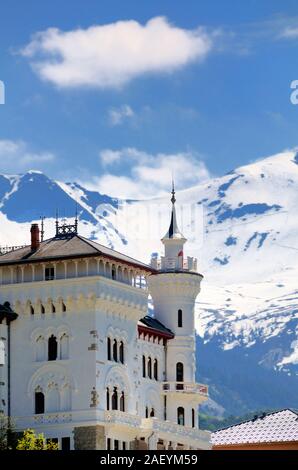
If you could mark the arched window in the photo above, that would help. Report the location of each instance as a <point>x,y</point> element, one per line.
<point>152,413</point>
<point>122,402</point>
<point>179,375</point>
<point>144,366</point>
<point>121,352</point>
<point>53,398</point>
<point>149,368</point>
<point>113,272</point>
<point>109,348</point>
<point>146,412</point>
<point>65,398</point>
<point>31,309</point>
<point>52,348</point>
<point>180,415</point>
<point>108,399</point>
<point>115,351</point>
<point>64,346</point>
<point>42,309</point>
<point>40,349</point>
<point>63,307</point>
<point>39,403</point>
<point>180,323</point>
<point>193,418</point>
<point>155,369</point>
<point>53,308</point>
<point>115,399</point>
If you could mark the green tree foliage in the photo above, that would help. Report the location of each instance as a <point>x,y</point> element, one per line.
<point>31,441</point>
<point>7,433</point>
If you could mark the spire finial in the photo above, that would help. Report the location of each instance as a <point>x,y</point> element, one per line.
<point>173,198</point>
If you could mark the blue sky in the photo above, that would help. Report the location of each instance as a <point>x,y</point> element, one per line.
<point>200,92</point>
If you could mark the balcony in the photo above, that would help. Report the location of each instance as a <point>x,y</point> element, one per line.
<point>169,431</point>
<point>186,389</point>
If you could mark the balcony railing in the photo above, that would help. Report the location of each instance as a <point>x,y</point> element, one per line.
<point>186,387</point>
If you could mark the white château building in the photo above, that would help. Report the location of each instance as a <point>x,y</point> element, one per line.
<point>80,359</point>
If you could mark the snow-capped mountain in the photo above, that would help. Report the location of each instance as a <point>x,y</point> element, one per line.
<point>243,229</point>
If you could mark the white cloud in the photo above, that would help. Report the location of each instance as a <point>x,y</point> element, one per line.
<point>290,32</point>
<point>147,175</point>
<point>111,55</point>
<point>118,115</point>
<point>16,156</point>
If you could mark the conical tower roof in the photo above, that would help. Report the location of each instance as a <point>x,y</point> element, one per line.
<point>173,232</point>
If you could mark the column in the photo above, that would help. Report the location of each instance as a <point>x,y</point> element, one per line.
<point>33,272</point>
<point>152,442</point>
<point>65,269</point>
<point>3,368</point>
<point>76,268</point>
<point>43,271</point>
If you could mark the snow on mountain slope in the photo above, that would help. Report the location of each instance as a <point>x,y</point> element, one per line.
<point>243,229</point>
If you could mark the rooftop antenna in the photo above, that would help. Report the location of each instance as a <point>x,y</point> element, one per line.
<point>42,218</point>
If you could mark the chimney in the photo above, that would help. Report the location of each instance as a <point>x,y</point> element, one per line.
<point>35,242</point>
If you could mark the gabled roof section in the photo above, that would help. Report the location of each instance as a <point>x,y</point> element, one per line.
<point>74,246</point>
<point>153,324</point>
<point>278,426</point>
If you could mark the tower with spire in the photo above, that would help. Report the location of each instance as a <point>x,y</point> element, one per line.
<point>174,288</point>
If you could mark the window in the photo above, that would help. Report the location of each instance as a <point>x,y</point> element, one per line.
<point>42,309</point>
<point>53,308</point>
<point>52,348</point>
<point>180,318</point>
<point>31,310</point>
<point>179,376</point>
<point>115,352</point>
<point>64,346</point>
<point>146,412</point>
<point>65,443</point>
<point>193,418</point>
<point>115,399</point>
<point>180,415</point>
<point>155,369</point>
<point>108,443</point>
<point>113,273</point>
<point>49,274</point>
<point>152,413</point>
<point>53,440</point>
<point>149,368</point>
<point>122,402</point>
<point>123,445</point>
<point>40,349</point>
<point>108,399</point>
<point>109,348</point>
<point>121,352</point>
<point>63,307</point>
<point>116,444</point>
<point>144,366</point>
<point>39,403</point>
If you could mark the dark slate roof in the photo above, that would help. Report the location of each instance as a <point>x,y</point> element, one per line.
<point>155,324</point>
<point>279,426</point>
<point>64,248</point>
